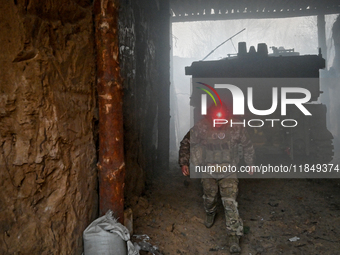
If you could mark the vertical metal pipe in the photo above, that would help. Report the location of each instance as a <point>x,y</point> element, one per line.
<point>111,163</point>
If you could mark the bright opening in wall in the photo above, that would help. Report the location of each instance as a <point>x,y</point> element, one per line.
<point>192,41</point>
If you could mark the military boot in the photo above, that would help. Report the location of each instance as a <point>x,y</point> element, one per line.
<point>234,245</point>
<point>209,219</point>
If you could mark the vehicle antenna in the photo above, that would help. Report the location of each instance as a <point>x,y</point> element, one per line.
<point>223,43</point>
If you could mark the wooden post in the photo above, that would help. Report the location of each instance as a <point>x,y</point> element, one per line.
<point>110,102</point>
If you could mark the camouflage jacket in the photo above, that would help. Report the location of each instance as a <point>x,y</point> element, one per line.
<point>236,135</point>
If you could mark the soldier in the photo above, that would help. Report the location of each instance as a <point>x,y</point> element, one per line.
<point>218,145</point>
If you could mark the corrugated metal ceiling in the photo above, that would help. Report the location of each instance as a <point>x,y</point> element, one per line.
<point>195,10</point>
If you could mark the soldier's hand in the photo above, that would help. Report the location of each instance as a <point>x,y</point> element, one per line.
<point>185,170</point>
<point>251,172</point>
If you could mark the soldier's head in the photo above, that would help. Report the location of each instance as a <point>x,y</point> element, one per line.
<point>218,112</point>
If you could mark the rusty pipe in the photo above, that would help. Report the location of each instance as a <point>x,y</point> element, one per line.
<point>111,165</point>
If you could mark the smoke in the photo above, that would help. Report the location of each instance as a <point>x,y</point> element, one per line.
<point>192,41</point>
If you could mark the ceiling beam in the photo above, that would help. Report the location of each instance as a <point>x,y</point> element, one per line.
<point>258,14</point>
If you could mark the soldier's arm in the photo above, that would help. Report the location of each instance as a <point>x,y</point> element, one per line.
<point>192,137</point>
<point>184,151</point>
<point>184,154</point>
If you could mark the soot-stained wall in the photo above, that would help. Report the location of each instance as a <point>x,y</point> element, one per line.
<point>48,175</point>
<point>144,47</point>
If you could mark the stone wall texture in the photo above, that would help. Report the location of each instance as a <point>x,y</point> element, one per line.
<point>48,175</point>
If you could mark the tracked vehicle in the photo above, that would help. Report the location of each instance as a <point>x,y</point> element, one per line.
<point>309,141</point>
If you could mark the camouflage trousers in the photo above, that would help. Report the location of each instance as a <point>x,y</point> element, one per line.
<point>228,188</point>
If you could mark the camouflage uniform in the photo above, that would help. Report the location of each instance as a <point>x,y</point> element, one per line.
<point>219,146</point>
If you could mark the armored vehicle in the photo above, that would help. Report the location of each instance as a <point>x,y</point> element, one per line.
<point>297,130</point>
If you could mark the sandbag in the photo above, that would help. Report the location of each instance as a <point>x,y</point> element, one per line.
<point>106,236</point>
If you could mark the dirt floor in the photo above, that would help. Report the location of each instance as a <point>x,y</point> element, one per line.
<point>171,214</point>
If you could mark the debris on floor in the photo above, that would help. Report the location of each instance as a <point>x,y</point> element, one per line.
<point>273,211</point>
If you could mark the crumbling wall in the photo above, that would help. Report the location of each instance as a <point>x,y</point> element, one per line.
<point>142,30</point>
<point>47,153</point>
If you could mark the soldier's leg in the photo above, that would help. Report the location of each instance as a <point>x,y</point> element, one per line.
<point>210,190</point>
<point>234,224</point>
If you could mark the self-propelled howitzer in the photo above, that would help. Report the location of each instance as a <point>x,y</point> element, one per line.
<point>278,120</point>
